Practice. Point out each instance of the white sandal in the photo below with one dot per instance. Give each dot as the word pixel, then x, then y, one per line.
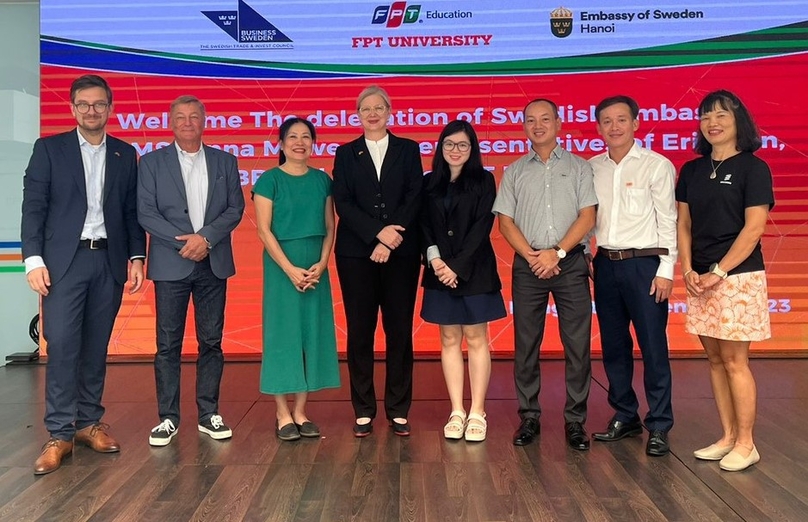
pixel 454 428
pixel 475 431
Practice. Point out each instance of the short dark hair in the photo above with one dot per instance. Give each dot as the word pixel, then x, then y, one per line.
pixel 614 100
pixel 87 81
pixel 283 131
pixel 545 100
pixel 747 134
pixel 470 173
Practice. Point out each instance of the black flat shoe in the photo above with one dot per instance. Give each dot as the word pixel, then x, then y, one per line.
pixel 287 432
pixel 528 431
pixel 658 445
pixel 617 430
pixel 576 436
pixel 402 429
pixel 362 430
pixel 308 429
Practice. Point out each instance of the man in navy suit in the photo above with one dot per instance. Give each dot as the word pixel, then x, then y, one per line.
pixel 189 201
pixel 79 234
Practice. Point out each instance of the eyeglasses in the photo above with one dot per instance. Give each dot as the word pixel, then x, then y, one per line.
pixel 378 109
pixel 84 107
pixel 462 146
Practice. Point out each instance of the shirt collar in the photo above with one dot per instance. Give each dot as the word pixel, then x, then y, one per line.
pixel 380 143
pixel 83 140
pixel 558 151
pixel 634 152
pixel 183 153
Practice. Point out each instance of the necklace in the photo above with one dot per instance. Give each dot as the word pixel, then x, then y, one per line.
pixel 715 167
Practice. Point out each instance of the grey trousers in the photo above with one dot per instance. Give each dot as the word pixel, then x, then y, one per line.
pixel 572 298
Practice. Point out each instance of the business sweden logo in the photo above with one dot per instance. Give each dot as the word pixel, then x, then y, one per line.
pixel 246 26
pixel 561 22
pixel 395 14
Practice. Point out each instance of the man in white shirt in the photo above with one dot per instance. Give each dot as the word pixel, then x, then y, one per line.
pixel 189 201
pixel 81 242
pixel 633 270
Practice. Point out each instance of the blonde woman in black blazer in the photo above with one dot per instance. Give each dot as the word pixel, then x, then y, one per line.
pixel 461 284
pixel 377 192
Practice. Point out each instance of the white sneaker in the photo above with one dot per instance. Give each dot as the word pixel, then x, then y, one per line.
pixel 162 434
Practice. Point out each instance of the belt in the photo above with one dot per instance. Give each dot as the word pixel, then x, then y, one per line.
pixel 630 253
pixel 94 244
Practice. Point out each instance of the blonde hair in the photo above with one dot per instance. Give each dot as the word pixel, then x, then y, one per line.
pixel 370 91
pixel 185 99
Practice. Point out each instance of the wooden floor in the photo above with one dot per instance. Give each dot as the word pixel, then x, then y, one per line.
pixel 255 477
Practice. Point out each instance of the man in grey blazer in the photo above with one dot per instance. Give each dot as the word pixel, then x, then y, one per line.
pixel 189 201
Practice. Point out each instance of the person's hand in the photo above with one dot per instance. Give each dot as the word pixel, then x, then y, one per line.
pixel 135 275
pixel 390 236
pixel 708 280
pixel 691 279
pixel 661 289
pixel 297 276
pixel 195 248
pixel 546 264
pixel 380 254
pixel 39 280
pixel 312 277
pixel 447 276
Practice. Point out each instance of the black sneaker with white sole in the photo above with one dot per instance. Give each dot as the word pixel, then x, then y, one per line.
pixel 162 434
pixel 216 428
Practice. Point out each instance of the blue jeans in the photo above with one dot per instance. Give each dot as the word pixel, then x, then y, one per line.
pixel 171 299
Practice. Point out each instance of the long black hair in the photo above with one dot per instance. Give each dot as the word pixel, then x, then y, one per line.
pixel 472 172
pixel 284 131
pixel 747 135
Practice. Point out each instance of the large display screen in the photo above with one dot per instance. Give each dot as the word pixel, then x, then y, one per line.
pixel 256 62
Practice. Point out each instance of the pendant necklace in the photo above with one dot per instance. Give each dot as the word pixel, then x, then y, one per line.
pixel 715 167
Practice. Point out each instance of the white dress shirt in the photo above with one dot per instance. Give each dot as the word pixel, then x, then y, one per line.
pixel 377 151
pixel 195 176
pixel 636 204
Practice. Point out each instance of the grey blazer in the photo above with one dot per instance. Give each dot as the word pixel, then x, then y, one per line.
pixel 162 210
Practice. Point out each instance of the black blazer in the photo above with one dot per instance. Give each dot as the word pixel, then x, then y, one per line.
pixel 463 236
pixel 365 204
pixel 54 204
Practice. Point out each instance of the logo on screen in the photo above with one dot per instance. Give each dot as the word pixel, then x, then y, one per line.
pixel 246 26
pixel 561 22
pixel 395 14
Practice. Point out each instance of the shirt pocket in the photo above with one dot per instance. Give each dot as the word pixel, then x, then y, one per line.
pixel 637 201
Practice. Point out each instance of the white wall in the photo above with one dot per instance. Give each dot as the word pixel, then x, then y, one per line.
pixel 19 127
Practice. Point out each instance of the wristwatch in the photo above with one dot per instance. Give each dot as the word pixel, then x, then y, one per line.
pixel 715 269
pixel 560 252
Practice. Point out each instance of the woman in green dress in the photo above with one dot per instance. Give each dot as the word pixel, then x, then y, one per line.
pixel 295 219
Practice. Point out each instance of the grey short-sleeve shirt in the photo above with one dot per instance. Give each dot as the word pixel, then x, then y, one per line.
pixel 544 198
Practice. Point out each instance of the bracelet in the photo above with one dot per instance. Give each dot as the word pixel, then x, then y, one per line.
pixel 685 274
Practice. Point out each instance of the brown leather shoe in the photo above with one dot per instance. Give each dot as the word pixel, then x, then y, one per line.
pixel 97 438
pixel 52 454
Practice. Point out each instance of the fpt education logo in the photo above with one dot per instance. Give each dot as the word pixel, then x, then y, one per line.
pixel 247 27
pixel 396 14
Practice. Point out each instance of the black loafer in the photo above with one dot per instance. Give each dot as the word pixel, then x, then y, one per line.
pixel 528 431
pixel 308 429
pixel 402 429
pixel 617 430
pixel 658 445
pixel 576 436
pixel 362 430
pixel 287 432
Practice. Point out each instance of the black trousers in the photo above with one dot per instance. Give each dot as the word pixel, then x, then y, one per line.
pixel 573 301
pixel 368 287
pixel 78 315
pixel 621 298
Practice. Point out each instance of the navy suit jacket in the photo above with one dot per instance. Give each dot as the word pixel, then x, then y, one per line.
pixel 366 204
pixel 162 208
pixel 54 204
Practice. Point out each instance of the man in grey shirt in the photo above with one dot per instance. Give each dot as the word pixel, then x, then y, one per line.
pixel 546 206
